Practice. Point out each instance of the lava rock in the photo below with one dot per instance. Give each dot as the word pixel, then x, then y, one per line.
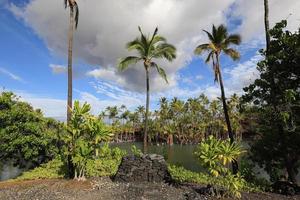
pixel 147 168
pixel 285 188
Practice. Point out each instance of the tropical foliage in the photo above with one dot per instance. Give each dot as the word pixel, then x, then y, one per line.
pixel 276 100
pixel 215 155
pixel 27 138
pixel 188 122
pixel 84 134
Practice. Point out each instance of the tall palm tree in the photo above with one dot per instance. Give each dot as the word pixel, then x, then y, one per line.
pixel 149 48
pixel 220 42
pixel 74 16
pixel 267 26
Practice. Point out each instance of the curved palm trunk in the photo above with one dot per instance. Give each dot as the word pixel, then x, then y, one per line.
pixel 267 28
pixel 70 81
pixel 147 108
pixel 69 101
pixel 227 119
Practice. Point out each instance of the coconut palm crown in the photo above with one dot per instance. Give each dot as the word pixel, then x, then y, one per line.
pixel 219 41
pixel 147 49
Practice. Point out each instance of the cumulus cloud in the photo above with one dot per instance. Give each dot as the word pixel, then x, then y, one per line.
pixel 252 14
pixel 243 74
pixel 106 26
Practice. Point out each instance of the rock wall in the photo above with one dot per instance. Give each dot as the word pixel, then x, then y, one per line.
pixel 147 168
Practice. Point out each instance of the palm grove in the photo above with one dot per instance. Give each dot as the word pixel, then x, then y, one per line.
pixel 268 111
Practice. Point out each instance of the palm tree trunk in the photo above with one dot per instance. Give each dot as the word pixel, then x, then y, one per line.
pixel 267 28
pixel 223 97
pixel 70 81
pixel 71 167
pixel 147 108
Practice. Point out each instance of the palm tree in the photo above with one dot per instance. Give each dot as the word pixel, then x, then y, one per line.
pixel 219 42
pixel 149 48
pixel 267 26
pixel 74 16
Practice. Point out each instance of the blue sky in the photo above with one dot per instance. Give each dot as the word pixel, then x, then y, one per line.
pixel 33 49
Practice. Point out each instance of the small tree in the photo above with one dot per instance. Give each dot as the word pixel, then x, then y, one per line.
pixel 27 139
pixel 275 95
pixel 215 155
pixel 85 132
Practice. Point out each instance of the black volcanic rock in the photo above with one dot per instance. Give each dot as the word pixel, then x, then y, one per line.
pixel 146 168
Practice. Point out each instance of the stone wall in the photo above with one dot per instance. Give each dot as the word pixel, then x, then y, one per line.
pixel 147 168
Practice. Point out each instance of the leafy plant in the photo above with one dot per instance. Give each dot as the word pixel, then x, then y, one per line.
pixel 275 95
pixel 51 170
pixel 215 155
pixel 27 138
pixel 106 164
pixel 136 151
pixel 85 133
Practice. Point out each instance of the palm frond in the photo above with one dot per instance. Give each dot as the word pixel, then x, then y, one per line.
pixel 233 39
pixel 136 45
pixel 125 62
pixel 164 50
pixel 235 55
pixel 66 3
pixel 161 71
pixel 209 56
pixel 76 14
pixel 210 36
pixel 153 36
pixel 202 47
pixel 144 40
pixel 158 38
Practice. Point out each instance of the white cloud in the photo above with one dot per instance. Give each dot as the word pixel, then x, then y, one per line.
pixel 106 26
pixel 252 15
pixel 243 74
pixel 58 69
pixel 11 75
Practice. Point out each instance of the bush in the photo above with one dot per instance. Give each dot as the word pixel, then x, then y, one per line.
pixel 27 137
pixel 216 155
pixel 232 184
pixel 51 170
pixel 254 183
pixel 183 175
pixel 106 164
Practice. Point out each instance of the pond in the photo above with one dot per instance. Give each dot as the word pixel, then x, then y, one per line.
pixel 180 155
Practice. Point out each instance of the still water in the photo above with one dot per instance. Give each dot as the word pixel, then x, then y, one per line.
pixel 180 155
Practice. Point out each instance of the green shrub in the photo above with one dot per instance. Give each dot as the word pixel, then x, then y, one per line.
pixel 106 164
pixel 26 136
pixel 136 151
pixel 253 182
pixel 232 184
pixel 83 138
pixel 183 175
pixel 216 155
pixel 51 170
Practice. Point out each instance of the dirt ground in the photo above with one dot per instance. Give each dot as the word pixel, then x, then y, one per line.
pixel 104 188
